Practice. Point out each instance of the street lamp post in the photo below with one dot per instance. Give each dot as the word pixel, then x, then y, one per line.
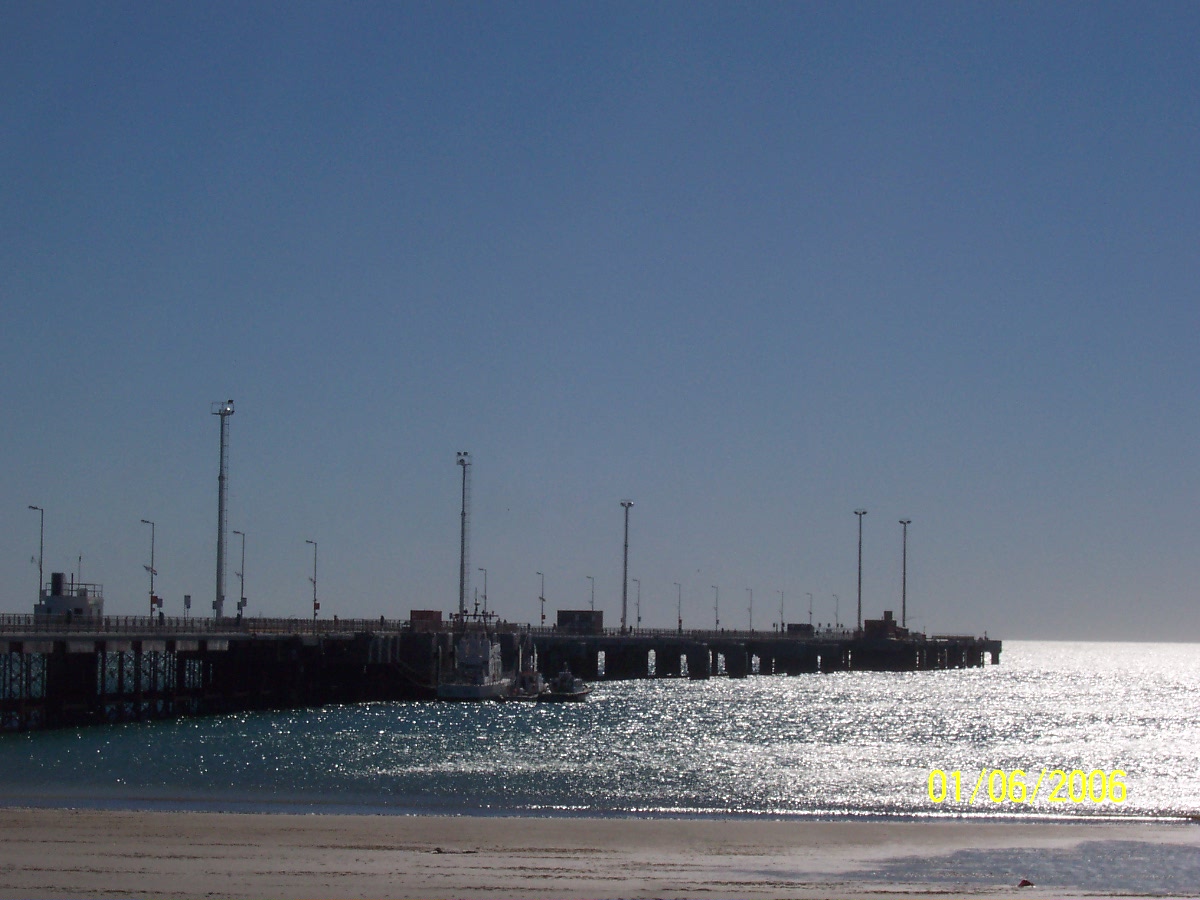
pixel 638 582
pixel 625 570
pixel 860 513
pixel 781 612
pixel 904 575
pixel 41 545
pixel 150 568
pixel 837 616
pixel 750 591
pixel 542 597
pixel 316 605
pixel 716 607
pixel 679 604
pixel 593 581
pixel 810 601
pixel 242 575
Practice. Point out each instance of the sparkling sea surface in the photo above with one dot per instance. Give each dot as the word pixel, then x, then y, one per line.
pixel 852 744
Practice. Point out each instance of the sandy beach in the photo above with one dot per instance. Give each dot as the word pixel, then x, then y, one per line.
pixel 87 853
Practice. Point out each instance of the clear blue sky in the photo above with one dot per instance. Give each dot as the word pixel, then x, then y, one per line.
pixel 749 265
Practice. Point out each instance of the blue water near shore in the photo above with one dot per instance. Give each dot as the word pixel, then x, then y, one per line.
pixel 828 746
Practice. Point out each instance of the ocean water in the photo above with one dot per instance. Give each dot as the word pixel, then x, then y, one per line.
pixel 840 745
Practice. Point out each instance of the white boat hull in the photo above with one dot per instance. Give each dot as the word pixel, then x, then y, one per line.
pixel 490 690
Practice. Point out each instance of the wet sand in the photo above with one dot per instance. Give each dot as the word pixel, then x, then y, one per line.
pixel 87 853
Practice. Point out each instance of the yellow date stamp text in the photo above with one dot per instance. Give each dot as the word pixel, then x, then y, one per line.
pixel 1018 786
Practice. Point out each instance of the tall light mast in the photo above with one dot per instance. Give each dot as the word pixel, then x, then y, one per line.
pixel 464 460
pixel 625 570
pixel 224 410
pixel 860 513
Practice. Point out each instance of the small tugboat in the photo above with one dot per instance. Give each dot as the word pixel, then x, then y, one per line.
pixel 566 688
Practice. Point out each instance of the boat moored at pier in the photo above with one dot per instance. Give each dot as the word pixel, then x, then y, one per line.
pixel 565 688
pixel 478 673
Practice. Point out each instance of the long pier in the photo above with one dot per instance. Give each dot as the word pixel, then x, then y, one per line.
pixel 58 672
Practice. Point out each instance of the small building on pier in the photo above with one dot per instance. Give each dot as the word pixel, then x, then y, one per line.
pixel 887 627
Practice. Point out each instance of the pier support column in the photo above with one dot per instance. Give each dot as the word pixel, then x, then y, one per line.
pixel 798 660
pixel 667 661
pixel 699 662
pixel 737 661
pixel 626 662
pixel 834 658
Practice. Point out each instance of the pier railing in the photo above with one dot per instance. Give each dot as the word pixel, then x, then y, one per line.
pixel 16 624
pixel 700 634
